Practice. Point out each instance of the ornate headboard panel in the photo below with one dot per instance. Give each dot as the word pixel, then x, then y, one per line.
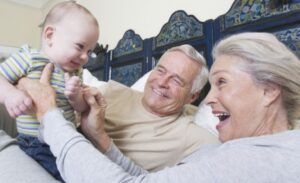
pixel 128 61
pixel 280 17
pixel 183 29
pixel 134 56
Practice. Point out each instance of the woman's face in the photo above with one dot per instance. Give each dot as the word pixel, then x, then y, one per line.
pixel 235 99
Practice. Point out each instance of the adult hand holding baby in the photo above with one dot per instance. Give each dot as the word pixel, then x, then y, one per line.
pixel 40 91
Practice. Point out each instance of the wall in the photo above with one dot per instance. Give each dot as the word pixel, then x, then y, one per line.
pixel 19 25
pixel 48 6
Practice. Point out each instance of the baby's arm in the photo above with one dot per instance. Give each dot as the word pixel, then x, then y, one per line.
pixel 15 101
pixel 73 91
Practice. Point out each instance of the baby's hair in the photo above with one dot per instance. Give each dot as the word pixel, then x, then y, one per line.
pixel 60 10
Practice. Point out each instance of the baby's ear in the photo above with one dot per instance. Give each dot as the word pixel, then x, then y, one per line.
pixel 48 34
pixel 271 93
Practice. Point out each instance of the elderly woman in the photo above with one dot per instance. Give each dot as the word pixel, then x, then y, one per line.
pixel 255 92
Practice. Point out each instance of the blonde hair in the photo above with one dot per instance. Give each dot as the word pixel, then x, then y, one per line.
pixel 202 76
pixel 267 60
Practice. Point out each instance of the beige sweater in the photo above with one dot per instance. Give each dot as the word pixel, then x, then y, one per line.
pixel 151 141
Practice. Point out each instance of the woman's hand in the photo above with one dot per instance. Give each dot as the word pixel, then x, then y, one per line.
pixel 17 102
pixel 41 92
pixel 92 121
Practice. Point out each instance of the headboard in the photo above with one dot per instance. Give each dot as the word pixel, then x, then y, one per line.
pixel 134 56
pixel 128 61
pixel 280 17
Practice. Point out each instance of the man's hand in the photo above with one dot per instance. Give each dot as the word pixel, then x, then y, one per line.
pixel 41 92
pixel 92 123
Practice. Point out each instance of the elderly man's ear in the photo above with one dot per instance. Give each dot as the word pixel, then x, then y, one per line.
pixel 272 93
pixel 194 97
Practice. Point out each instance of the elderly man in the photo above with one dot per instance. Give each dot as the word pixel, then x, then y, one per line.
pixel 155 128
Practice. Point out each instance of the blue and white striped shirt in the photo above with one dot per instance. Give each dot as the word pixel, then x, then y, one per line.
pixel 30 63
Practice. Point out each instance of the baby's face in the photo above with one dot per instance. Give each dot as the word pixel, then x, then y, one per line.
pixel 72 41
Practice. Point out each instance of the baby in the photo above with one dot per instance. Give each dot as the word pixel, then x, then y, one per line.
pixel 69 34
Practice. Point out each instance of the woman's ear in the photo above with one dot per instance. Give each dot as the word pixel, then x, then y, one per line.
pixel 271 93
pixel 48 34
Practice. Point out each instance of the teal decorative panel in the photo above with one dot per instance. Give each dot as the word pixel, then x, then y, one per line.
pixel 245 11
pixel 180 27
pixel 127 74
pixel 291 38
pixel 130 43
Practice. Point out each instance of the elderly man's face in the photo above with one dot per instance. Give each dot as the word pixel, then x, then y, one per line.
pixel 236 100
pixel 169 85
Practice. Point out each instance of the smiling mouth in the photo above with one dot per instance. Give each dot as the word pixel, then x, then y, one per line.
pixel 222 116
pixel 222 119
pixel 159 93
pixel 75 63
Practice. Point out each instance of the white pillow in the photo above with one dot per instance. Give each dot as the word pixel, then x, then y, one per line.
pixel 139 85
pixel 89 79
pixel 203 117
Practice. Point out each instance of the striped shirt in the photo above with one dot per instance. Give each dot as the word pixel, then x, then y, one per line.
pixel 30 63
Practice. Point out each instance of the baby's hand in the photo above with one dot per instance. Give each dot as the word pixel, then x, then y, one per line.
pixel 72 86
pixel 17 103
